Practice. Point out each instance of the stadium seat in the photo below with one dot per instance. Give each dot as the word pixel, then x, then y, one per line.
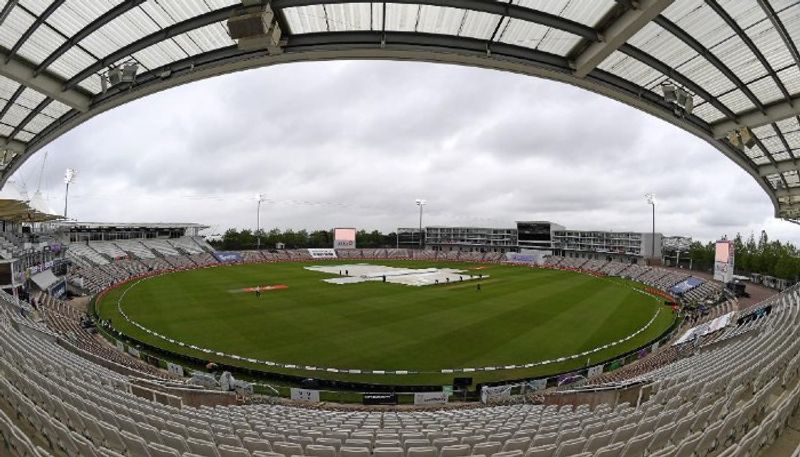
pixel 545 450
pixel 202 447
pixel 353 451
pixel 455 450
pixel 319 450
pixel 570 447
pixel 520 444
pixel 388 452
pixel 286 448
pixel 232 451
pixel 487 448
pixel 159 450
pixel 422 451
pixel 256 444
pixel 135 446
pixel 612 450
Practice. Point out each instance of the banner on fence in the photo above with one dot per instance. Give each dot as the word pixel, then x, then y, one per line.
pixel 430 398
pixel 322 253
pixel 305 394
pixel 495 393
pixel 133 351
pixel 120 346
pixel 379 399
pixel 594 371
pixel 536 384
pixel 226 256
pixel 175 369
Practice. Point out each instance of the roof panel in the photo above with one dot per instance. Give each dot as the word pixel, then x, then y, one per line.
pixel 788 125
pixel 440 20
pixel 6 130
pixel 735 54
pixel 120 32
pixel 41 44
pixel 630 69
pixel 522 33
pixel 790 17
pixel 587 13
pixel 56 109
pixel 744 13
pixel 160 54
pixel 15 114
pixel 699 21
pixel 7 87
pixel 736 101
pixel 479 25
pixel 177 10
pixel 558 42
pixel 71 62
pixel 23 136
pixel 36 6
pixel 707 76
pixel 790 77
pixel 14 26
pixel 350 16
pixel 38 123
pixel 662 45
pixel 29 98
pixel 767 39
pixel 707 112
pixel 402 17
pixel 211 37
pixel 766 90
pixel 306 19
pixel 77 14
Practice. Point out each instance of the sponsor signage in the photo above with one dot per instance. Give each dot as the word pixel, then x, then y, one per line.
pixel 594 371
pixel 133 351
pixel 379 399
pixel 59 289
pixel 447 390
pixel 305 394
pixel 430 398
pixel 322 253
pixel 120 346
pixel 227 257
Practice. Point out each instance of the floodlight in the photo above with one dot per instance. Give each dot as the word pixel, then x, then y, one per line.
pixel 421 202
pixel 129 72
pixel 689 105
pixel 115 76
pixel 748 139
pixel 651 198
pixel 670 92
pixel 734 139
pixel 682 96
pixel 259 197
pixel 69 175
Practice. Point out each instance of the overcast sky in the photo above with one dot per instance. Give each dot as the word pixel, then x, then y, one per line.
pixel 355 143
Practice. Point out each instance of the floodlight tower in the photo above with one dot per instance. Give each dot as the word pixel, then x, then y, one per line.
pixel 420 203
pixel 69 176
pixel 651 200
pixel 259 199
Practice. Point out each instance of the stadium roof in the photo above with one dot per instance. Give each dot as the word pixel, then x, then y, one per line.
pixel 65 61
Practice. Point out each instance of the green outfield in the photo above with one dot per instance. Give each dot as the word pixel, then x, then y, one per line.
pixel 520 315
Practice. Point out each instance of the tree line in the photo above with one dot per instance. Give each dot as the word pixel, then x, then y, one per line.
pixel 772 258
pixel 234 240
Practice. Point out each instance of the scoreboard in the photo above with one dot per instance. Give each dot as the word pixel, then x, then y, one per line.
pixel 344 238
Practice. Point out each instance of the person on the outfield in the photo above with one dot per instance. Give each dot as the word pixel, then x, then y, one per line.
pixel 258 292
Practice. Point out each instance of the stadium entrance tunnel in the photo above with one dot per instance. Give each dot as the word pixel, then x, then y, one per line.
pixel 622 50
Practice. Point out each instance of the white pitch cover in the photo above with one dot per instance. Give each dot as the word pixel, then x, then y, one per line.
pixel 305 395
